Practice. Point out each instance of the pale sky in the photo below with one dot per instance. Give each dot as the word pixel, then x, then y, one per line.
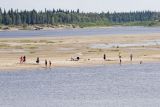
pixel 84 5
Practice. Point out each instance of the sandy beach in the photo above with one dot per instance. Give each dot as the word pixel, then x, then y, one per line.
pixel 60 50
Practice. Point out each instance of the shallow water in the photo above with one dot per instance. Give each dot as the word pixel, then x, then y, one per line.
pixel 101 86
pixel 81 32
pixel 123 45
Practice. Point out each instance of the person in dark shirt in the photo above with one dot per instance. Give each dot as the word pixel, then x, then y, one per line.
pixel 37 61
pixel 46 63
pixel 50 64
pixel 131 57
pixel 24 58
pixel 104 56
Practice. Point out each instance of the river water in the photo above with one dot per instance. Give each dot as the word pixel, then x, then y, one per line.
pixel 130 85
pixel 99 86
pixel 80 32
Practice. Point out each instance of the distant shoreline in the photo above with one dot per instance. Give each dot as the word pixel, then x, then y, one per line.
pixel 51 27
pixel 32 28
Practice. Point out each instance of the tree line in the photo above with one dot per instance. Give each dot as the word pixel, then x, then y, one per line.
pixel 59 16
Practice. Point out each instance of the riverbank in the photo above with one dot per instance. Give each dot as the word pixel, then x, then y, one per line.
pixel 100 24
pixel 62 26
pixel 90 50
pixel 35 27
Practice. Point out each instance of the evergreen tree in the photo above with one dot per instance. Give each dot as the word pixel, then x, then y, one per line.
pixel 60 16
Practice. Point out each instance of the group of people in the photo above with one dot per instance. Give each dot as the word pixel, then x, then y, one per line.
pixel 22 59
pixel 75 59
pixel 47 63
pixel 120 58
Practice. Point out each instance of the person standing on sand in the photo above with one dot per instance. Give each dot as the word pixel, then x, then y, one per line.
pixel 104 56
pixel 46 63
pixel 120 59
pixel 24 59
pixel 37 61
pixel 131 57
pixel 50 64
pixel 21 59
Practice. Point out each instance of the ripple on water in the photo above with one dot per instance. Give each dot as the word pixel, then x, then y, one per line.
pixel 111 85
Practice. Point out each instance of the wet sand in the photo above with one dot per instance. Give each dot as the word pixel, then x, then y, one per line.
pixel 60 50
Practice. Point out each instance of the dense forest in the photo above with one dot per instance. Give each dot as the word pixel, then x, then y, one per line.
pixel 59 16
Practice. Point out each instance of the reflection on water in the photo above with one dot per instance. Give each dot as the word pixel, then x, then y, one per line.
pixel 101 86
